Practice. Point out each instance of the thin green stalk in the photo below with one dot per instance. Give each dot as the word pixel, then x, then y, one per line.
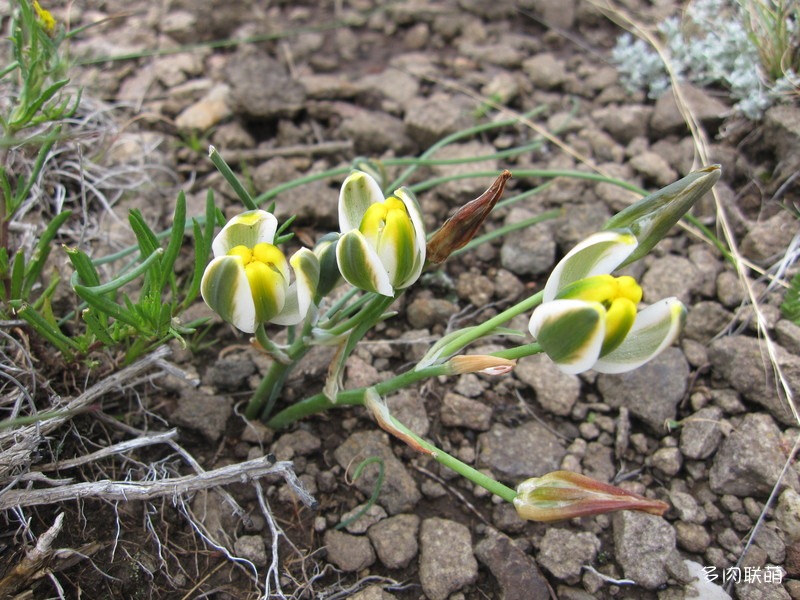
pixel 486 328
pixel 519 351
pixel 320 403
pixel 463 469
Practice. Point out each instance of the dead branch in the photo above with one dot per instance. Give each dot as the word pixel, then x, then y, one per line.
pixel 146 490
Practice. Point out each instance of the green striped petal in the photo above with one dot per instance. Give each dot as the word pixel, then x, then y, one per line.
pixel 225 289
pixel 268 290
pixel 415 212
pixel 598 254
pixel 396 247
pixel 360 265
pixel 570 332
pixel 300 293
pixel 656 328
pixel 359 191
pixel 247 229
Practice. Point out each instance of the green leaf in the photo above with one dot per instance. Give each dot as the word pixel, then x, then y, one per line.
pixel 175 241
pixel 17 276
pixel 42 251
pixel 98 326
pixel 47 330
pixel 112 309
pixel 790 307
pixel 84 268
pixel 231 178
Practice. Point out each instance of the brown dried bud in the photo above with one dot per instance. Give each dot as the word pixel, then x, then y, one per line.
pixel 459 229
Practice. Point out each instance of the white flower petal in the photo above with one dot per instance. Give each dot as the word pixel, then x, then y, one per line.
pixel 359 191
pixel 570 332
pixel 247 229
pixel 301 292
pixel 656 328
pixel 226 290
pixel 598 254
pixel 415 212
pixel 360 265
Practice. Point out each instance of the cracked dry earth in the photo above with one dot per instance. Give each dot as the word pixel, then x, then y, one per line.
pixel 703 427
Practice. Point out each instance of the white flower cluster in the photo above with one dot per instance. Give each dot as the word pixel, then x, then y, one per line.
pixel 709 46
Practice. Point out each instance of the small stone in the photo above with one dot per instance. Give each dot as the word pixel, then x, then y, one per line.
pixel 643 544
pixel 529 450
pixel 564 553
pixel 260 88
pixel 667 117
pixel 251 547
pixel 769 239
pixel 430 119
pixel 516 572
pixel 457 411
pixel 361 374
pixel 671 276
pixel 360 525
pixel 556 392
pixel 530 251
pixel 729 289
pixel 787 514
pixel 654 167
pixel 399 492
pixel 373 592
pixel 749 461
pixel 207 112
pixel 740 360
pixel 687 507
pixel 228 374
pixel 425 311
pixel 701 433
pixel 203 412
pixel 395 540
pixel 545 71
pixel 295 443
pixel 705 320
pixel 667 460
pixel 623 124
pixel 692 537
pixel 350 553
pixel 651 392
pixel 478 289
pixel 446 562
pixel 787 334
pixel 374 132
pixel 408 407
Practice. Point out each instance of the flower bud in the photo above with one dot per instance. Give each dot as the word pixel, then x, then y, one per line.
pixel 382 246
pixel 459 229
pixel 565 495
pixel 650 218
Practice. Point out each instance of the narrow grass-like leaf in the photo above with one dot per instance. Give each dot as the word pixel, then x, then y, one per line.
pixel 175 241
pixel 112 309
pixel 17 276
pixel 126 278
pixel 98 326
pixel 42 251
pixel 47 330
pixel 24 190
pixel 231 178
pixel 37 104
pixel 84 267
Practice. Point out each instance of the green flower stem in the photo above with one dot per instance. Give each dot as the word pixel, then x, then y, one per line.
pixel 320 403
pixel 519 351
pixel 270 347
pixel 463 469
pixel 484 329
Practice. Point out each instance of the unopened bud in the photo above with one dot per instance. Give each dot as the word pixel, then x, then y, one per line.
pixel 459 229
pixel 481 363
pixel 565 495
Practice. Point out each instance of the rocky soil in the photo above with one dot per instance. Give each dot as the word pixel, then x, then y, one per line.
pixel 703 426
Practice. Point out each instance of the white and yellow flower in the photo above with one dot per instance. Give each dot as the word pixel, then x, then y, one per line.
pixel 382 246
pixel 588 318
pixel 249 282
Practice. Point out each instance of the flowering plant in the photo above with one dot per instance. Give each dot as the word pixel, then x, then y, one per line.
pixel 584 318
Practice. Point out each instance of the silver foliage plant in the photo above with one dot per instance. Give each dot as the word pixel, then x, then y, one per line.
pixel 711 45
